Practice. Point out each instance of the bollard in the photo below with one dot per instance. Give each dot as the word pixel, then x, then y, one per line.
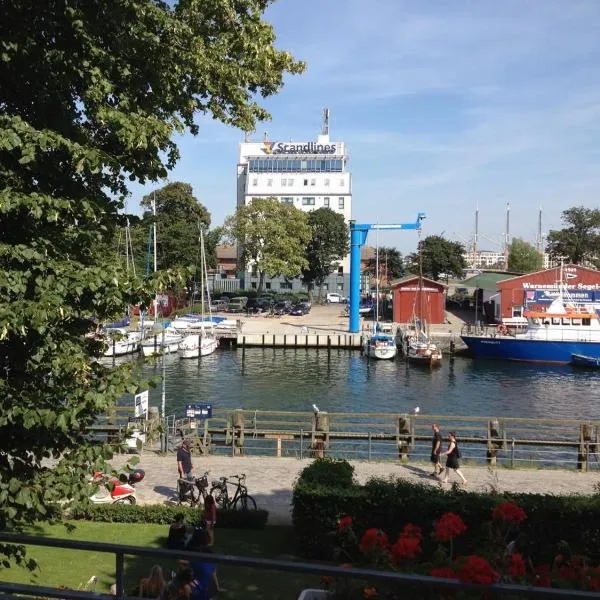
pixel 583 456
pixel 403 428
pixel 493 433
pixel 237 432
pixel 320 434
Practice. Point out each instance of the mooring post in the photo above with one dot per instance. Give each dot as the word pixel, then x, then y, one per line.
pixel 403 428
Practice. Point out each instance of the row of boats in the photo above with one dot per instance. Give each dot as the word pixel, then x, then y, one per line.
pixel 191 336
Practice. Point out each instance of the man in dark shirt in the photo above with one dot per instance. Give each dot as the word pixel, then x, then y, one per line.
pixel 184 460
pixel 436 446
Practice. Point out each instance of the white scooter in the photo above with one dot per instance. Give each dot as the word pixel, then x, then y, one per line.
pixel 114 491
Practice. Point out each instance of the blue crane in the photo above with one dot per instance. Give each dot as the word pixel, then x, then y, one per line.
pixel 358 237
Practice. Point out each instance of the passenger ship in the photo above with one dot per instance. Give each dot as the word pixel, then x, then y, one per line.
pixel 551 336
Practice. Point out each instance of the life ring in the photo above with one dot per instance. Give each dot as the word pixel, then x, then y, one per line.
pixel 502 330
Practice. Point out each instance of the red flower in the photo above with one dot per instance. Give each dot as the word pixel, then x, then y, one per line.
pixel 406 547
pixel 344 522
pixel 593 579
pixel 411 531
pixel 477 570
pixel 443 572
pixel 370 592
pixel 373 539
pixel 569 573
pixel 558 559
pixel 509 512
pixel 542 576
pixel 448 526
pixel 326 580
pixel 517 566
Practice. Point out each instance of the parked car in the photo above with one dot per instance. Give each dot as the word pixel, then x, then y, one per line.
pixel 219 304
pixel 282 308
pixel 302 308
pixel 237 304
pixel 333 297
pixel 258 305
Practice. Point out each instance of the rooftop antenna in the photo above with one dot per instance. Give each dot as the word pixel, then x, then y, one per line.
pixel 475 237
pixel 507 235
pixel 540 235
pixel 266 138
pixel 325 127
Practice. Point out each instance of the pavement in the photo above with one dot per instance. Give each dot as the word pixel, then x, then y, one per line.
pixel 270 480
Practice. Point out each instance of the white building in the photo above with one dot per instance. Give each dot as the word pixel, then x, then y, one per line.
pixel 309 175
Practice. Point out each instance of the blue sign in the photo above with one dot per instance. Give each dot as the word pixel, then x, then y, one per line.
pixel 548 296
pixel 198 411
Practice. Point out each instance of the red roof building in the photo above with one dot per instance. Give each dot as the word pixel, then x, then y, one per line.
pixel 427 302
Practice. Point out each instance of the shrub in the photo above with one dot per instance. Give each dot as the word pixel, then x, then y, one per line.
pixel 165 515
pixel 329 472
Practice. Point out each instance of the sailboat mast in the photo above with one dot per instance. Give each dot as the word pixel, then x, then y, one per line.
pixel 377 278
pixel 154 248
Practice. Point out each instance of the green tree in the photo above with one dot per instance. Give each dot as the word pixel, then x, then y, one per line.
pixel 579 241
pixel 97 92
pixel 391 264
pixel 329 243
pixel 523 257
pixel 439 256
pixel 272 236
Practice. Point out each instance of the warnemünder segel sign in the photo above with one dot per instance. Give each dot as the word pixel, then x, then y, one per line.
pixel 306 148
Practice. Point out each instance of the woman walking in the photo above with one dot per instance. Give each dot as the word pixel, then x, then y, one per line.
pixel 452 456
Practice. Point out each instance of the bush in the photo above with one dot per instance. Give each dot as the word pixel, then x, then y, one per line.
pixel 165 515
pixel 328 472
pixel 390 504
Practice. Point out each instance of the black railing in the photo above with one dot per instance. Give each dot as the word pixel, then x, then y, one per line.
pixel 417 582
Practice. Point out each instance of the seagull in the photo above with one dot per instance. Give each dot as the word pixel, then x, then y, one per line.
pixel 316 408
pixel 417 410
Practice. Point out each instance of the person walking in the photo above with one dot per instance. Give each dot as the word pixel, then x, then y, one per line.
pixel 184 460
pixel 452 456
pixel 436 448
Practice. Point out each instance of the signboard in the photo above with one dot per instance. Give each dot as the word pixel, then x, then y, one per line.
pixel 301 148
pixel 141 404
pixel 547 296
pixel 198 411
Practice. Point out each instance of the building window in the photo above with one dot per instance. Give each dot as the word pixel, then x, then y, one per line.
pixel 340 287
pixel 254 271
pixel 268 285
pixel 253 285
pixel 287 200
pixel 269 182
pixel 290 182
pixel 340 270
pixel 306 182
pixel 313 182
pixel 325 286
pixel 285 285
pixel 326 182
pixel 326 202
pixel 341 203
pixel 255 182
pixel 308 201
pixel 283 182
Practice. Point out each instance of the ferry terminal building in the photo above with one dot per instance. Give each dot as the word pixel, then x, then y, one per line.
pixel 308 175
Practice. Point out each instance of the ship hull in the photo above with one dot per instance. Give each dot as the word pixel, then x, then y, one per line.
pixel 529 350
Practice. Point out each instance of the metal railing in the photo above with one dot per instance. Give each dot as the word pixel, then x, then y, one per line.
pixel 420 583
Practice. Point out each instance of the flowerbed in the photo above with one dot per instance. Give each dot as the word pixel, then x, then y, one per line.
pixel 506 556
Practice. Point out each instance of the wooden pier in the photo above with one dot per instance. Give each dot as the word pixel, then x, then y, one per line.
pixel 345 341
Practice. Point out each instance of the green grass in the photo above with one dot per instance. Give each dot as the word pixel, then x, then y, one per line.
pixel 73 568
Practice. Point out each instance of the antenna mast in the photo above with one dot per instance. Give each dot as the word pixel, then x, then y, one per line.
pixel 540 238
pixel 475 238
pixel 507 235
pixel 325 126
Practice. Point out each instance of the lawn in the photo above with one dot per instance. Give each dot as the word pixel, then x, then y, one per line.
pixel 73 568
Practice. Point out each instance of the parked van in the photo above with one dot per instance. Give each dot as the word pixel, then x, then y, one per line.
pixel 237 304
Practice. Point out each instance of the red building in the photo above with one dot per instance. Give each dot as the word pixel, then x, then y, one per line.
pixel 428 302
pixel 535 291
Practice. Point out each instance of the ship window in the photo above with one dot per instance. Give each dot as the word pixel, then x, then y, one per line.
pixel 555 321
pixel 586 322
pixel 576 322
pixel 566 321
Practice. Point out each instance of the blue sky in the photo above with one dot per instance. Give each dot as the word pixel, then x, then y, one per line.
pixel 443 105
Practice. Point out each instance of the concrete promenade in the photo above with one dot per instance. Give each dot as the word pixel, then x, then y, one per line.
pixel 270 479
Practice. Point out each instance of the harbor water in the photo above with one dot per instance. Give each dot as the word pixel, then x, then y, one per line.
pixel 344 381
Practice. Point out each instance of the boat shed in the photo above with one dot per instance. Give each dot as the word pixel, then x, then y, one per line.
pixel 429 305
pixel 535 291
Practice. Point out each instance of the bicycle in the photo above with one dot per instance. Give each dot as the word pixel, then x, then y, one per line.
pixel 241 499
pixel 192 491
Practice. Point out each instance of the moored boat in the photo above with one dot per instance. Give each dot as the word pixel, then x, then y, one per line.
pixel 423 352
pixel 120 341
pixel 580 360
pixel 381 346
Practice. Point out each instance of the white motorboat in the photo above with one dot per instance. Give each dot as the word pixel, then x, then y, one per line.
pixel 120 341
pixel 195 345
pixel 162 343
pixel 380 345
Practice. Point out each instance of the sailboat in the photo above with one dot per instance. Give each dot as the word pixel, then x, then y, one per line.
pixel 420 350
pixel 204 342
pixel 380 344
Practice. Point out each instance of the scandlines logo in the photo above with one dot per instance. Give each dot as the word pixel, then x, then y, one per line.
pixel 268 147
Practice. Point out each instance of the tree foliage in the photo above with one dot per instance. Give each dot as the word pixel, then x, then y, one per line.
pixel 272 237
pixel 523 257
pixel 439 256
pixel 329 243
pixel 579 241
pixel 93 94
pixel 391 265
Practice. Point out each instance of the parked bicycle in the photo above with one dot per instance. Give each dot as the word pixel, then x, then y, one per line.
pixel 241 500
pixel 192 491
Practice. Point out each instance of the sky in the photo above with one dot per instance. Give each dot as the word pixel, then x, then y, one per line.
pixel 444 106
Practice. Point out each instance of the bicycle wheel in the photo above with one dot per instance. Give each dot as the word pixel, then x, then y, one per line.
pixel 245 502
pixel 221 498
pixel 194 495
